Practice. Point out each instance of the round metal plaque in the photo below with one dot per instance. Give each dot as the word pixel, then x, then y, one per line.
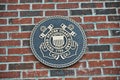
pixel 58 42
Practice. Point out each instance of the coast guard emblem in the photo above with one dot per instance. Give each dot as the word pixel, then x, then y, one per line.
pixel 58 42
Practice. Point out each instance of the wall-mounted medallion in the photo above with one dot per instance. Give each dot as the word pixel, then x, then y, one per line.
pixel 58 42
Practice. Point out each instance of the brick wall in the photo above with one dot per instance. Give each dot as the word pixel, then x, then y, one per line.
pixel 99 18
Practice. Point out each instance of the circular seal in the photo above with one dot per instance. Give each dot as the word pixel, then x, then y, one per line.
pixel 58 42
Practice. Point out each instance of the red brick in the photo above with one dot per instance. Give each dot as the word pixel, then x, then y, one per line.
pixel 116 47
pixel 10 58
pixel 108 25
pixel 77 19
pixel 43 6
pixel 97 33
pixel 94 18
pixel 53 13
pixel 37 20
pixel 104 78
pixel 87 26
pixel 10 43
pixel 51 79
pixel 19 7
pixel 79 65
pixel 21 21
pixel 19 51
pixel 111 55
pixel 28 74
pixel 2 66
pixel 3 35
pixel 79 78
pixel 109 71
pixel 92 41
pixel 2 51
pixel 8 14
pixel 8 1
pixel 100 63
pixel 55 1
pixel 41 66
pixel 67 5
pixel 91 56
pixel 29 58
pixel 8 28
pixel 117 62
pixel 109 40
pixel 10 74
pixel 20 35
pixel 88 72
pixel 78 0
pixel 3 21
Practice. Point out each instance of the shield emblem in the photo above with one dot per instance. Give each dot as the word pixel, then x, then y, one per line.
pixel 58 41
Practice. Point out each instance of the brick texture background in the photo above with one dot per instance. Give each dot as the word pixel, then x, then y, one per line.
pixel 99 18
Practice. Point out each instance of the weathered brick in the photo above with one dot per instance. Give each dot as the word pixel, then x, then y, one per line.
pixel 51 79
pixel 10 43
pixel 89 72
pixel 99 48
pixel 117 62
pixel 116 47
pixel 20 35
pixel 62 73
pixel 3 35
pixel 8 14
pixel 42 73
pixel 56 12
pixel 103 0
pixel 109 40
pixel 2 51
pixel 30 1
pixel 77 19
pixel 30 13
pixel 19 51
pixel 81 12
pixel 20 21
pixel 67 5
pixel 111 55
pixel 91 5
pixel 105 11
pixel 97 33
pixel 92 40
pixel 21 66
pixel 112 4
pixel 87 26
pixel 79 65
pixel 114 71
pixel 3 66
pixel 27 27
pixel 104 78
pixel 94 18
pixel 29 58
pixel 10 74
pixel 10 58
pixel 41 66
pixel 115 32
pixel 78 0
pixel 107 25
pixel 37 20
pixel 114 18
pixel 3 21
pixel 2 7
pixel 19 7
pixel 91 56
pixel 8 1
pixel 78 78
pixel 26 42
pixel 55 0
pixel 8 28
pixel 99 63
pixel 43 6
